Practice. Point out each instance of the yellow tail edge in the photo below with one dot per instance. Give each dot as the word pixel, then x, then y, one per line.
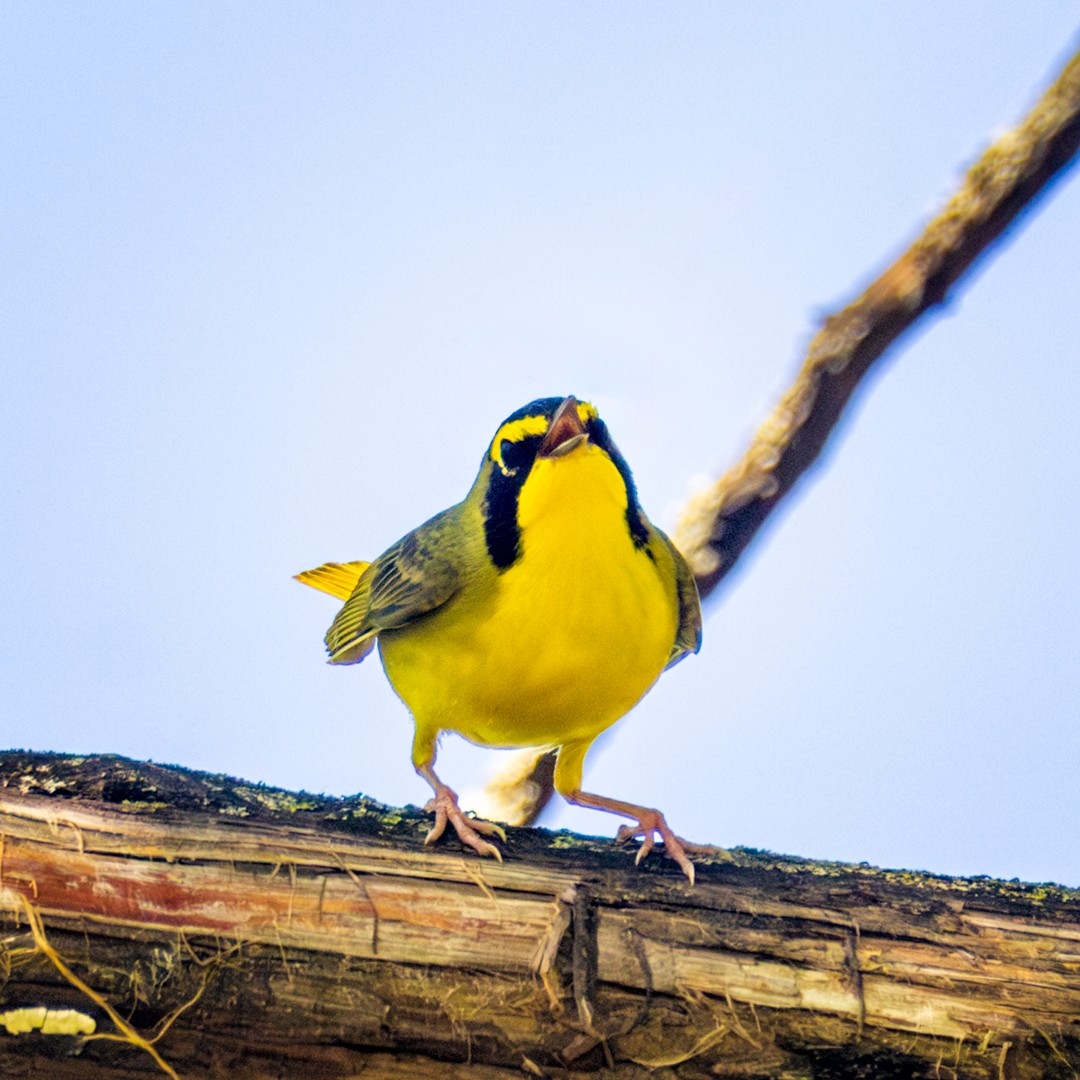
pixel 337 579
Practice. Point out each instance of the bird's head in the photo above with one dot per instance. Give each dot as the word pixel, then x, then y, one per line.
pixel 528 467
pixel 548 427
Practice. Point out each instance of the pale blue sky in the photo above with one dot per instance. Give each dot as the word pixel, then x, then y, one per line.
pixel 273 274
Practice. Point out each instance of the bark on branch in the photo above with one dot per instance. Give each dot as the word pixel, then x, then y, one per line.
pixel 1012 173
pixel 266 934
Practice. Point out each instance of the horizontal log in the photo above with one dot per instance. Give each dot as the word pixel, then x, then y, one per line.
pixel 325 932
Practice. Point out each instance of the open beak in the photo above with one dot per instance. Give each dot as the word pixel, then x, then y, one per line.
pixel 565 432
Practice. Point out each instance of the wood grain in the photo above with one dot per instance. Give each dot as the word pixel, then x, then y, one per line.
pixel 310 936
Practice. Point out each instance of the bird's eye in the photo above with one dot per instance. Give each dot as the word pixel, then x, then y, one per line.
pixel 500 456
pixel 515 454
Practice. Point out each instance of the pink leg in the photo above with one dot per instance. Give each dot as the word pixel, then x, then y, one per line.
pixel 648 822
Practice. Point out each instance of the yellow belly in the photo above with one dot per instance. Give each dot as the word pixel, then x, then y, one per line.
pixel 559 646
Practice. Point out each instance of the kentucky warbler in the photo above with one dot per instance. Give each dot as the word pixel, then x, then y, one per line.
pixel 536 612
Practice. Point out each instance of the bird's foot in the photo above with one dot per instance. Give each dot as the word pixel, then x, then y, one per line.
pixel 446 810
pixel 652 822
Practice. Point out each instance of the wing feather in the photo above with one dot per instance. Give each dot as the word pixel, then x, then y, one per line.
pixel 418 574
pixel 688 634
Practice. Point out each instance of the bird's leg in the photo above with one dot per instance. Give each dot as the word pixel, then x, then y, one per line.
pixel 648 822
pixel 445 805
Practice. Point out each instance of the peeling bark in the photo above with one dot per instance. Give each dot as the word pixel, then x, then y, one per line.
pixel 305 936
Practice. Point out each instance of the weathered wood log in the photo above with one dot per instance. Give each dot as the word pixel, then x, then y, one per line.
pixel 273 934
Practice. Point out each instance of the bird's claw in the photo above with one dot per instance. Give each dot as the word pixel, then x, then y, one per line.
pixel 648 825
pixel 446 810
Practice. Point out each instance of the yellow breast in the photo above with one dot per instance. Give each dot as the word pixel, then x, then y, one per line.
pixel 561 644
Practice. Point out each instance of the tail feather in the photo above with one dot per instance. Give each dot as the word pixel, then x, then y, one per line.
pixel 348 640
pixel 337 579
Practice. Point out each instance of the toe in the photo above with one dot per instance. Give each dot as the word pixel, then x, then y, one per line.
pixel 468 834
pixel 482 847
pixel 646 846
pixel 488 828
pixel 705 849
pixel 438 827
pixel 675 851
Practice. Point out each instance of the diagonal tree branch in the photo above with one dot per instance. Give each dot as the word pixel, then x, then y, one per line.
pixel 720 524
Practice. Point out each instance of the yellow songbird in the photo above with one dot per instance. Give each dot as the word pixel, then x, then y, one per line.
pixel 536 612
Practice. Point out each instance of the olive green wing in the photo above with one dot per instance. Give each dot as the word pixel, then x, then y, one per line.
pixel 423 570
pixel 688 634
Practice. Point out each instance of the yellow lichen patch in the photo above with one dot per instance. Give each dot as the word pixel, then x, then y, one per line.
pixel 274 799
pixel 47 1021
pixel 564 839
